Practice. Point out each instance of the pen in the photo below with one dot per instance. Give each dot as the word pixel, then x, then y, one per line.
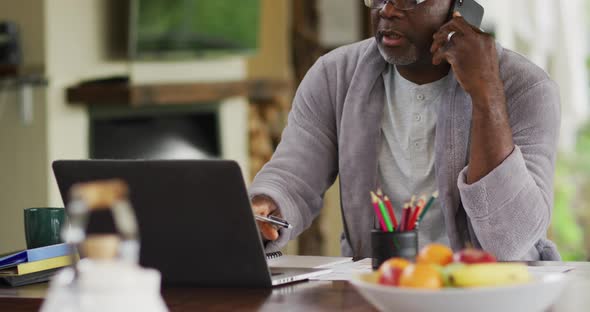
pixel 274 220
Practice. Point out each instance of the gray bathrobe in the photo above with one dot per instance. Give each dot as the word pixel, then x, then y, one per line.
pixel 334 129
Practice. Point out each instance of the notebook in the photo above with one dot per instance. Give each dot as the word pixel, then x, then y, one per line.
pixel 27 279
pixel 34 254
pixel 273 255
pixel 37 266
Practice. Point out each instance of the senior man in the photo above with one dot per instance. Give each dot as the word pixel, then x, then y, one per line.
pixel 427 104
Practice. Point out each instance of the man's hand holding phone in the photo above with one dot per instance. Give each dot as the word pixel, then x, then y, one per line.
pixel 474 61
pixel 472 55
pixel 264 206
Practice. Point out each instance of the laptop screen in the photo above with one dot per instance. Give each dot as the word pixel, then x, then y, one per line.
pixel 195 221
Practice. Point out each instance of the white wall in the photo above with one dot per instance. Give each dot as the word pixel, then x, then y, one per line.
pixel 76 50
pixel 23 148
pixel 23 175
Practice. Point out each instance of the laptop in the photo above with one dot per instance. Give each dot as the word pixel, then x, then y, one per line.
pixel 195 221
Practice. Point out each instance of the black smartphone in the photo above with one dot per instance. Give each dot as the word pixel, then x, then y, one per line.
pixel 471 11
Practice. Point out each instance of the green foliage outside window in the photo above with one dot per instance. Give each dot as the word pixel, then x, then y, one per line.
pixel 571 213
pixel 197 26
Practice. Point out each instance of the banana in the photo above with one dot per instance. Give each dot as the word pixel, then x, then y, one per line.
pixel 446 271
pixel 490 274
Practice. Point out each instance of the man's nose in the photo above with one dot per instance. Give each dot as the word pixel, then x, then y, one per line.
pixel 390 11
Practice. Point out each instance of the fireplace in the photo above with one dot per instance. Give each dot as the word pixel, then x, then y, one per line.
pixel 192 135
pixel 199 131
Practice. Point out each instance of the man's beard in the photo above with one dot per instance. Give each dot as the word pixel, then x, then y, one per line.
pixel 408 58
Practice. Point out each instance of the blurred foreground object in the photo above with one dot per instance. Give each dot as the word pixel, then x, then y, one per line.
pixel 109 278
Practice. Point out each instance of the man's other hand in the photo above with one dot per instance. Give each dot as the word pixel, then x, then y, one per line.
pixel 264 206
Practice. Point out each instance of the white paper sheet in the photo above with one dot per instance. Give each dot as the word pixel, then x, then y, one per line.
pixel 307 262
pixel 346 271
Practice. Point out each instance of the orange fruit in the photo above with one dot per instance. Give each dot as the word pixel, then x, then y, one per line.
pixel 435 254
pixel 421 275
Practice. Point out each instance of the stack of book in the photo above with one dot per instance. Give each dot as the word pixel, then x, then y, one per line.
pixel 33 265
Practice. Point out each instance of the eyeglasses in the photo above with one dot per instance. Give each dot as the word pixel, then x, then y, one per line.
pixel 404 5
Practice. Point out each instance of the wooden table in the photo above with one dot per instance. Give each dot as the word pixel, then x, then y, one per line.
pixel 304 296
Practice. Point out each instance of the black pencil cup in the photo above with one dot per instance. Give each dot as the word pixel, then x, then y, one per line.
pixel 387 245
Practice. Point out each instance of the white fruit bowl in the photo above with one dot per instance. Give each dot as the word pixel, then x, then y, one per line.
pixel 535 296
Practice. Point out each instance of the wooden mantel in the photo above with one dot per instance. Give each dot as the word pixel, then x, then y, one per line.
pixel 121 92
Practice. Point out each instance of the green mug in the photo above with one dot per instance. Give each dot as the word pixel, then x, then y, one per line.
pixel 43 226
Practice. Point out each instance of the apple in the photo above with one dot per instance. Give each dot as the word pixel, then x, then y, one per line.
pixel 472 255
pixel 391 270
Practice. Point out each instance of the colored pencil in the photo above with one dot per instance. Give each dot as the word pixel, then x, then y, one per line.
pixel 391 212
pixel 404 219
pixel 385 215
pixel 408 220
pixel 408 215
pixel 414 217
pixel 425 210
pixel 375 201
pixel 421 204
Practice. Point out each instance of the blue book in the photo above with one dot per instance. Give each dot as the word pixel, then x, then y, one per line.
pixel 35 254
